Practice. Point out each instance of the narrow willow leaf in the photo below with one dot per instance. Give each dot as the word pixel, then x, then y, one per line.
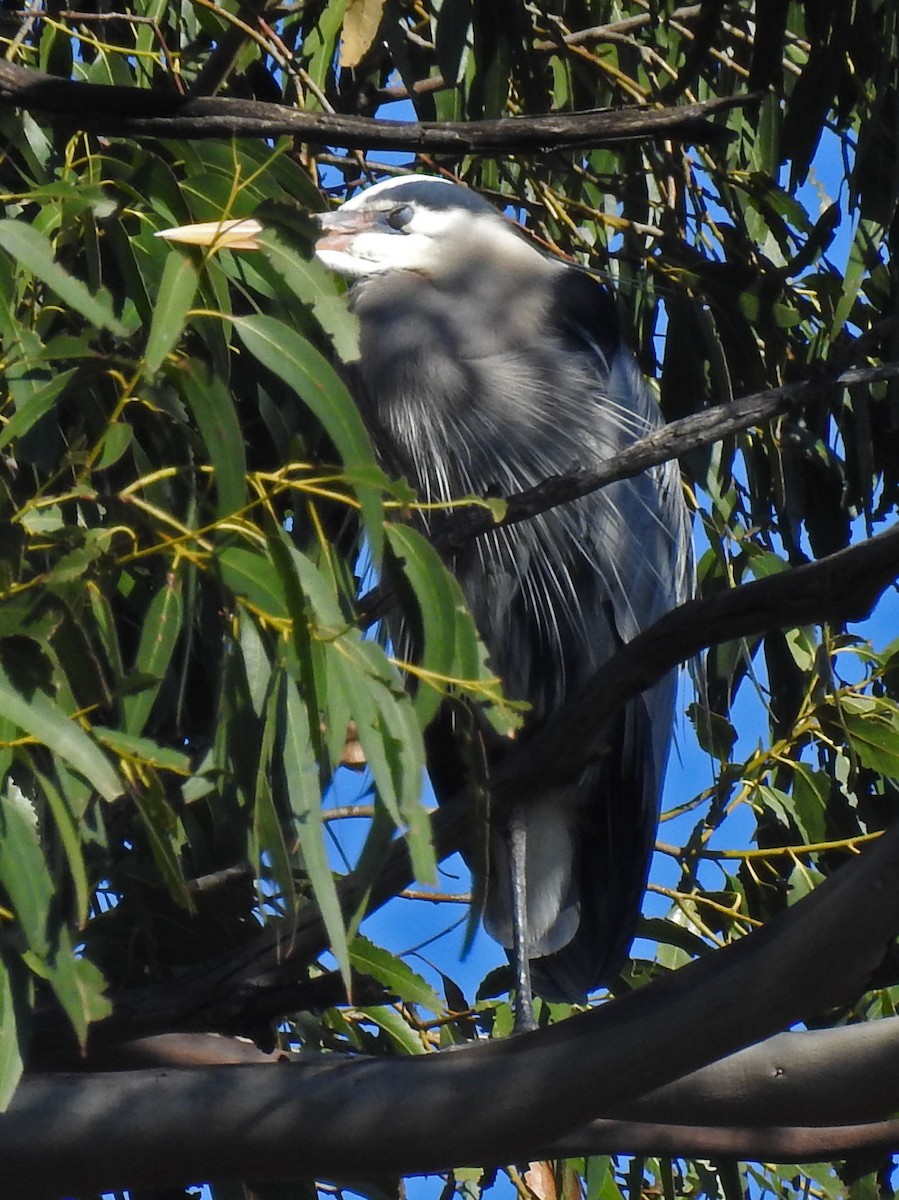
pixel 12 1039
pixel 104 626
pixel 173 302
pixel 39 402
pixel 23 872
pixel 256 662
pixel 777 801
pixel 165 837
pixel 865 245
pixel 301 775
pixel 314 683
pixel 37 715
pixel 77 983
pixel 322 44
pixel 67 829
pixel 212 408
pixel 436 601
pixel 874 740
pixel 283 351
pixel 116 441
pixel 367 700
pixel 396 975
pixel 160 631
pixel 811 793
pixel 408 750
pixel 314 285
pixel 403 1036
pixel 143 750
pixel 391 739
pixel 268 833
pixel 248 573
pixel 34 252
pixel 381 831
pixel 452 645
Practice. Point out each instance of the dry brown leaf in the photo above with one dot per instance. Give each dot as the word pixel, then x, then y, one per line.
pixel 541 1180
pixel 360 28
pixel 353 755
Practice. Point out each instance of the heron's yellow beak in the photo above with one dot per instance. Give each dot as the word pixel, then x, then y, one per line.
pixel 220 235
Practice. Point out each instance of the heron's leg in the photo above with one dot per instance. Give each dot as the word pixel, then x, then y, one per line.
pixel 524 1000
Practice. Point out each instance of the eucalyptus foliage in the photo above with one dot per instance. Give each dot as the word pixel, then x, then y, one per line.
pixel 186 487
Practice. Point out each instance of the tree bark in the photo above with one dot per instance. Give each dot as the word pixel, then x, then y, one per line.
pixel 140 112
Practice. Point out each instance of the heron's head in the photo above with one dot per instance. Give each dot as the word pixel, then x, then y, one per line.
pixel 415 223
pixel 420 223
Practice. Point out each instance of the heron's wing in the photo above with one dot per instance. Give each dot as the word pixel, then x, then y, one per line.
pixel 636 566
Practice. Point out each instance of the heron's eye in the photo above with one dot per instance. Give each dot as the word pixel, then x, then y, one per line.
pixel 398 218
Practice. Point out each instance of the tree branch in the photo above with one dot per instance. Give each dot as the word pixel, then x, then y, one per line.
pixel 137 112
pixel 777 1144
pixel 492 1103
pixel 673 440
pixel 841 587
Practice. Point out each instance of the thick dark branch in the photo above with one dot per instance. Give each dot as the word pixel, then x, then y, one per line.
pixel 492 1103
pixel 136 112
pixel 777 1143
pixel 843 1076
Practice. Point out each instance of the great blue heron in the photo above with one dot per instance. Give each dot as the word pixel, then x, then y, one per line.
pixel 487 367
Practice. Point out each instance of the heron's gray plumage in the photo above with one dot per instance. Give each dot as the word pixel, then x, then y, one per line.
pixel 489 367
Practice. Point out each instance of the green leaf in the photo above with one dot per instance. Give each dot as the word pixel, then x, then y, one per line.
pixel 256 661
pixel 391 740
pixel 314 285
pixel 775 800
pixel 11 1041
pixel 68 834
pixel 437 601
pixel 37 715
pixel 288 562
pixel 176 295
pixel 248 573
pixel 159 634
pixel 38 403
pixel 300 366
pixel 268 840
pixel 143 750
pixel 811 793
pixel 396 975
pixel 452 650
pixel 322 43
pixel 23 871
pixel 116 441
pixel 401 1034
pixel 165 836
pixel 77 983
pixel 34 251
pixel 874 737
pixel 303 789
pixel 212 408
